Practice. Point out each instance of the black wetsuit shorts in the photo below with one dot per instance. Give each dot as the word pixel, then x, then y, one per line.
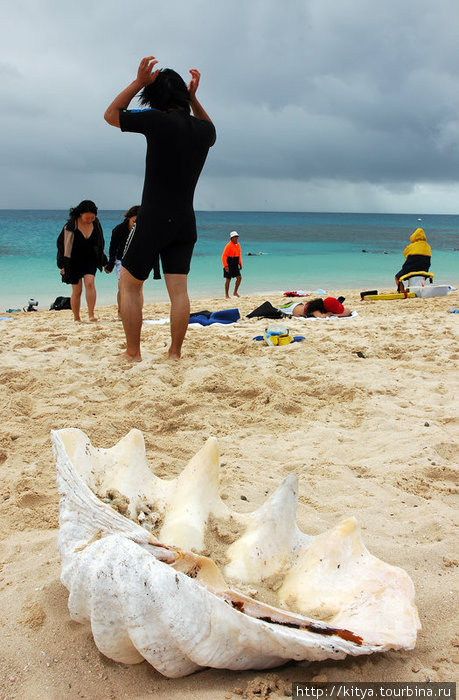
pixel 151 240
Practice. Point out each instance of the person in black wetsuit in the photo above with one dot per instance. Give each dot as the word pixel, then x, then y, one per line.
pixel 177 147
pixel 118 241
pixel 80 252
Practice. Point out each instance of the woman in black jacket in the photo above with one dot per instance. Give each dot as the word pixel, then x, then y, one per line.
pixel 120 235
pixel 80 252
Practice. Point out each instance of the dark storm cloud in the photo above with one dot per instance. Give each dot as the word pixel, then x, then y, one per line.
pixel 348 94
pixel 370 93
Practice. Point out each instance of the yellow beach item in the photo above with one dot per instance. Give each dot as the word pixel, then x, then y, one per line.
pixel 284 339
pixel 396 295
pixel 277 335
pixel 428 275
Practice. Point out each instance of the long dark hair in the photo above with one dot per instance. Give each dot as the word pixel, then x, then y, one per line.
pixel 86 206
pixel 167 91
pixel 314 305
pixel 83 207
pixel 132 211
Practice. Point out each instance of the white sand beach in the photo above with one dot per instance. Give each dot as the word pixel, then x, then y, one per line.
pixel 364 410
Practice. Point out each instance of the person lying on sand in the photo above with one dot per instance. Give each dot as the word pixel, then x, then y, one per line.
pixel 318 308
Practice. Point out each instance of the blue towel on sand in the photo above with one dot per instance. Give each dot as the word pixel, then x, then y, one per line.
pixel 224 316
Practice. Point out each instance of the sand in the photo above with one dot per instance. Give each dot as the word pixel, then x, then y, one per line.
pixel 364 411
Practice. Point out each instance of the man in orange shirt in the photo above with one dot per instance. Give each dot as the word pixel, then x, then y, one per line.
pixel 232 263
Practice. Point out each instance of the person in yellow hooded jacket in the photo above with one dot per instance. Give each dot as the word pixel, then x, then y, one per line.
pixel 417 257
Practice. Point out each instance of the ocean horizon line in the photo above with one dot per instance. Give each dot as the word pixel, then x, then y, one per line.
pixel 255 211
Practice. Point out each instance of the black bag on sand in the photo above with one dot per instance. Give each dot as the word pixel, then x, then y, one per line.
pixel 60 303
pixel 266 310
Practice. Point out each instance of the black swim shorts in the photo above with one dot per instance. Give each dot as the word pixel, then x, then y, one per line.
pixel 233 268
pixel 173 246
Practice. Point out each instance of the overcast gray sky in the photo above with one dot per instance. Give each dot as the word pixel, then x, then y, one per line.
pixel 319 105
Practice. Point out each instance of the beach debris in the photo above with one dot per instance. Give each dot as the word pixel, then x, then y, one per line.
pixel 32 305
pixel 171 579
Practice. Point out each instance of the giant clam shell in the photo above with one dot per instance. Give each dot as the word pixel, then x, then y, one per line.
pixel 132 559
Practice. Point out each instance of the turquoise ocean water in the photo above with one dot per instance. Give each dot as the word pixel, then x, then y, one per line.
pixel 299 251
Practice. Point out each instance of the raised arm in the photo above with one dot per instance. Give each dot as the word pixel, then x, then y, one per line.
pixel 197 109
pixel 145 76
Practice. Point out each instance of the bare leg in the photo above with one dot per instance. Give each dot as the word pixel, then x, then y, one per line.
pixel 400 286
pixel 90 291
pixel 131 299
pixel 75 300
pixel 236 286
pixel 118 301
pixel 227 284
pixel 180 311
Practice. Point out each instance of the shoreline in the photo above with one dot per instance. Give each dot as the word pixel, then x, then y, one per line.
pixel 364 410
pixel 155 291
pixel 197 299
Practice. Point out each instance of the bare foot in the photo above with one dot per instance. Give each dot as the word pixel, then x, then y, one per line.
pixel 235 294
pixel 227 296
pixel 173 355
pixel 77 320
pixel 93 319
pixel 129 358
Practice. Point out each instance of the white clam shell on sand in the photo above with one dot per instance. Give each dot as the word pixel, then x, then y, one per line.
pixel 133 552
